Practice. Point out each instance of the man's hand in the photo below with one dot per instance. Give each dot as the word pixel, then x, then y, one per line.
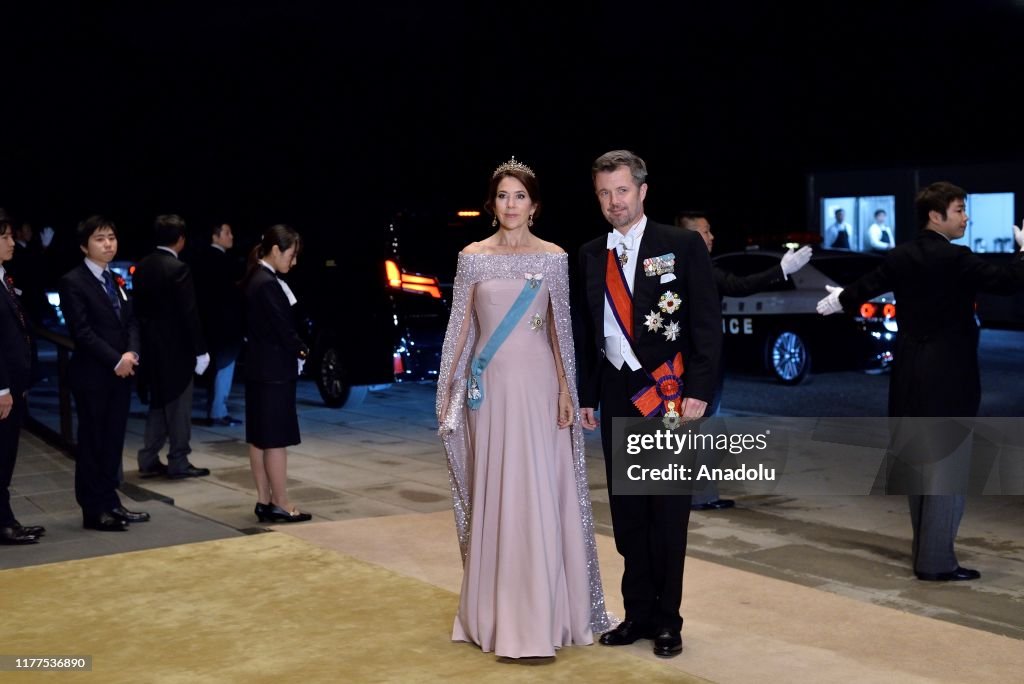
pixel 6 405
pixel 202 363
pixel 794 261
pixel 126 366
pixel 693 408
pixel 46 236
pixel 830 304
pixel 587 419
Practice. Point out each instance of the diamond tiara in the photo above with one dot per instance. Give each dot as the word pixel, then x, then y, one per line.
pixel 513 165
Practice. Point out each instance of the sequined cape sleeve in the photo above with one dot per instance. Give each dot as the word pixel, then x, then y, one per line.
pixel 473 268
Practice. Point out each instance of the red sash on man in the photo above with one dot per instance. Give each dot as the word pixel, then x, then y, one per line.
pixel 616 291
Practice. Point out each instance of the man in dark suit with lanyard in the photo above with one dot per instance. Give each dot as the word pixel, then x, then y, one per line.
pixel 649 300
pixel 935 368
pixel 102 326
pixel 15 375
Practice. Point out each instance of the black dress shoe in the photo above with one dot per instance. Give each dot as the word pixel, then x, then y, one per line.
pixel 123 513
pixel 668 643
pixel 34 530
pixel 159 470
pixel 16 534
pixel 104 522
pixel 274 513
pixel 958 575
pixel 190 471
pixel 261 511
pixel 627 632
pixel 716 505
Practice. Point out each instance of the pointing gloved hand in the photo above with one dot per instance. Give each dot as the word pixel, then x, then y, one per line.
pixel 794 261
pixel 46 236
pixel 830 304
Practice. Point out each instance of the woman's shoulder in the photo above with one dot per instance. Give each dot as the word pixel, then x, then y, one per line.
pixel 550 248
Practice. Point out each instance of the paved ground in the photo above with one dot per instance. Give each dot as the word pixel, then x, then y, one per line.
pixel 382 458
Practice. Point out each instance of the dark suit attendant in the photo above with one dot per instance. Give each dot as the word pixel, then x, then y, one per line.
pixel 172 350
pixel 731 285
pixel 102 325
pixel 221 309
pixel 670 309
pixel 935 367
pixel 15 377
pixel 274 356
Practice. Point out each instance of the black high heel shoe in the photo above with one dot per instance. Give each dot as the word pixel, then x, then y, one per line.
pixel 274 513
pixel 261 511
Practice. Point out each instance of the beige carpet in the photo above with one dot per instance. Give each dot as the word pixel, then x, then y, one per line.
pixel 740 627
pixel 266 608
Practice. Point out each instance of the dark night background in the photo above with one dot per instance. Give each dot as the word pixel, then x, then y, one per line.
pixel 330 117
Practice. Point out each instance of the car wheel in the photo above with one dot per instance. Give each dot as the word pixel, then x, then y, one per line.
pixel 332 379
pixel 788 358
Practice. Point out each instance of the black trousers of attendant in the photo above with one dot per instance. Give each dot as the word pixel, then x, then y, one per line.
pixel 650 531
pixel 10 428
pixel 102 408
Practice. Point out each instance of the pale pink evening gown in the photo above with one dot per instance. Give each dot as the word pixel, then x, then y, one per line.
pixel 525 591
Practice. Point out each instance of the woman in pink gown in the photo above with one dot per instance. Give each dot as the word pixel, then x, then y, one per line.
pixel 508 413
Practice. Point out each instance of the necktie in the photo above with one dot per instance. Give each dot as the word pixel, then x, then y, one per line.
pixel 115 299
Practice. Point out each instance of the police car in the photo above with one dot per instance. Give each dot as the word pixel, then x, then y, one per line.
pixel 780 331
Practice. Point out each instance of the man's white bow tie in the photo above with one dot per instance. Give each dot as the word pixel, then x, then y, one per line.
pixel 615 238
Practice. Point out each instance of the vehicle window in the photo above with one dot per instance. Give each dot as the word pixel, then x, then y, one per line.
pixel 846 269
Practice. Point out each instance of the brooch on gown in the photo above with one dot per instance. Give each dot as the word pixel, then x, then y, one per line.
pixel 536 322
pixel 533 279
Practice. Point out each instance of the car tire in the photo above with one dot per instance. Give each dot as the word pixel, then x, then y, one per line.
pixel 787 357
pixel 332 378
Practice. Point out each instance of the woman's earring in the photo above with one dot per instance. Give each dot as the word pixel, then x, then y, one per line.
pixel 530 222
pixel 494 222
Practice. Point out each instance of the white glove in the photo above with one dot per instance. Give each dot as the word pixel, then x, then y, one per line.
pixel 202 363
pixel 1018 235
pixel 794 261
pixel 46 236
pixel 302 364
pixel 830 304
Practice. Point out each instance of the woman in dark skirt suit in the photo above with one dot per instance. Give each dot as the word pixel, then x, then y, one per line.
pixel 273 360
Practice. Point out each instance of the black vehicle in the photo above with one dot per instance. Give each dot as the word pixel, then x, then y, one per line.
pixel 780 330
pixel 377 313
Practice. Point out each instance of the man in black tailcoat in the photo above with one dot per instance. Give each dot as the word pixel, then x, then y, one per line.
pixel 935 367
pixel 649 300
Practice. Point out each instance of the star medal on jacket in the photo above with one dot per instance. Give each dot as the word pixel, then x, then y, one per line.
pixel 669 302
pixel 536 322
pixel 653 321
pixel 671 331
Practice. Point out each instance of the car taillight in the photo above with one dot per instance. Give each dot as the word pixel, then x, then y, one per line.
pixel 398 365
pixel 871 310
pixel 889 311
pixel 868 310
pixel 410 282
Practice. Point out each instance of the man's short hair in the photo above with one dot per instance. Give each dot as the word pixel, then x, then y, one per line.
pixel 168 229
pixel 880 211
pixel 6 222
pixel 90 225
pixel 936 197
pixel 216 228
pixel 609 161
pixel 687 215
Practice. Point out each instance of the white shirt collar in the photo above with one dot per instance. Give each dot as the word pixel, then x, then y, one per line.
pixel 168 250
pixel 95 268
pixel 219 247
pixel 264 263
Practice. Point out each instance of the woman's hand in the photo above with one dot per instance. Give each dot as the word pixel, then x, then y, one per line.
pixel 565 410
